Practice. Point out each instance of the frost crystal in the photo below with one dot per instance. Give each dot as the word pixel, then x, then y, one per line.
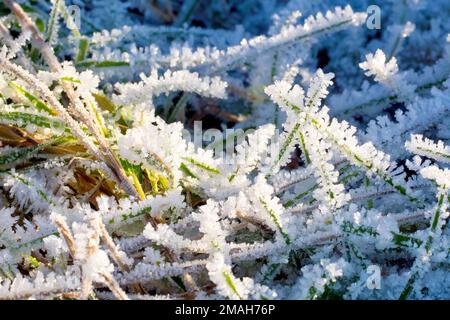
pixel 224 150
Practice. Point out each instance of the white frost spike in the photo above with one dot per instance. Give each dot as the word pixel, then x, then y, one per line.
pixel 377 66
pixel 332 21
pixel 440 176
pixel 426 147
pixel 39 287
pixel 386 72
pixel 182 80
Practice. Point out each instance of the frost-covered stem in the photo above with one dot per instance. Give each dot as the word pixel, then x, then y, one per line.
pixel 113 250
pixel 22 59
pixel 91 248
pixel 38 40
pixel 399 36
pixel 379 194
pixel 89 120
pixel 426 147
pixel 276 220
pixel 440 209
pixel 391 98
pixel 52 27
pixel 358 158
pixel 45 93
pixel 251 251
pixel 360 198
pixel 408 218
pixel 188 280
pixel 264 45
pixel 252 220
pixel 76 104
pixel 158 272
pixel 260 250
pixel 67 235
pixel 115 254
pixel 86 287
pixel 308 174
pixel 241 252
pixel 114 286
pixel 25 294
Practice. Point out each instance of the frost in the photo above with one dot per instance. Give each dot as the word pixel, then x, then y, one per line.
pixel 224 150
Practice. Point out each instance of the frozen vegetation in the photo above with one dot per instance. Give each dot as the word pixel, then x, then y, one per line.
pixel 238 149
